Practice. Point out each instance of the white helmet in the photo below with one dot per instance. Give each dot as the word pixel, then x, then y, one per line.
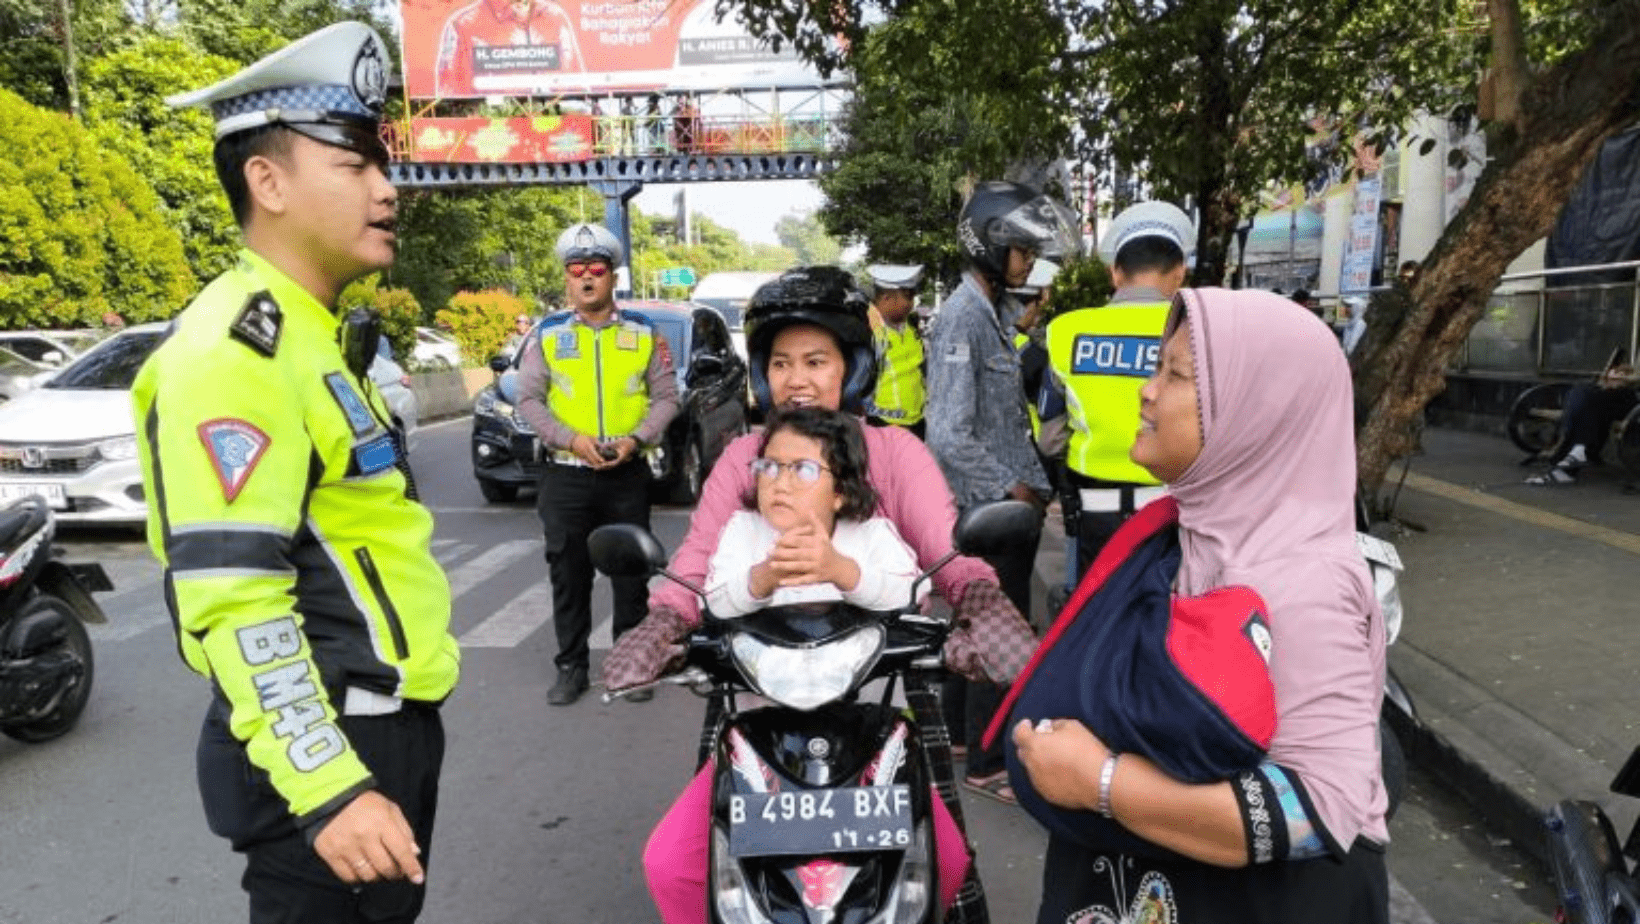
pixel 1149 219
pixel 589 242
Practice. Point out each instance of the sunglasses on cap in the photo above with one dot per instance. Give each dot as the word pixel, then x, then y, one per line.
pixel 807 470
pixel 595 270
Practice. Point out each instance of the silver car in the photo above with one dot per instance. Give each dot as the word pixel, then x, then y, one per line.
pixel 72 440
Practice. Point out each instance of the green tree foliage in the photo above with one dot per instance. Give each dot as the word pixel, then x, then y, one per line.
pixel 398 309
pixel 481 321
pixel 718 250
pixel 1208 100
pixel 32 49
pixel 473 239
pixel 80 233
pixel 805 236
pixel 1083 283
pixel 124 94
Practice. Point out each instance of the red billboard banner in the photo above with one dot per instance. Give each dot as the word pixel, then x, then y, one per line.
pixel 516 140
pixel 475 48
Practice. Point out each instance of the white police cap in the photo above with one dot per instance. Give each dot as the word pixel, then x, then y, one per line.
pixel 589 242
pixel 895 275
pixel 1149 219
pixel 329 85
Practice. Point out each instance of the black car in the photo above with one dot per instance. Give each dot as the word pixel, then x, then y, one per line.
pixel 711 398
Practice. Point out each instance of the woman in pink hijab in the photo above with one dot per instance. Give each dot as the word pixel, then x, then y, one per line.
pixel 1248 419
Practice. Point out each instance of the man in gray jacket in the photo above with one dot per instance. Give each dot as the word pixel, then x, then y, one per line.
pixel 978 426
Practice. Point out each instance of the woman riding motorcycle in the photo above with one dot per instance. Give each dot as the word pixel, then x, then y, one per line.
pixel 809 342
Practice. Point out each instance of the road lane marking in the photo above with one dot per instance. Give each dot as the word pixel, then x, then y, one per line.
pixel 1617 539
pixel 514 622
pixel 451 552
pixel 122 626
pixel 491 563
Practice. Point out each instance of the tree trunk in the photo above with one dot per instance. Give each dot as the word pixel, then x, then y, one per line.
pixel 1565 116
pixel 65 14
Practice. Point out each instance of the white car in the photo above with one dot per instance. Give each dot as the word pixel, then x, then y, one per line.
pixel 435 350
pixel 73 441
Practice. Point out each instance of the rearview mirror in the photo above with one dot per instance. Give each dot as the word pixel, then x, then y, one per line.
pixel 624 550
pixel 994 527
pixel 499 364
pixel 705 365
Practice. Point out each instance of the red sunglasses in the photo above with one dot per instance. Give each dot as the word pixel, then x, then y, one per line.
pixel 596 270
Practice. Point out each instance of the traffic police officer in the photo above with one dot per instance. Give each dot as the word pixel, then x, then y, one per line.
pixel 297 570
pixel 899 396
pixel 597 385
pixel 1099 358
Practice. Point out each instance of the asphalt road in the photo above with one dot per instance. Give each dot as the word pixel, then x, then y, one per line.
pixel 545 810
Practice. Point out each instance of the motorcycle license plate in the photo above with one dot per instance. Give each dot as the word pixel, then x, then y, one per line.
pixel 53 493
pixel 817 821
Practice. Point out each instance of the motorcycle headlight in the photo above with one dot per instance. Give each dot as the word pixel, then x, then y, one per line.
pixel 116 450
pixel 806 678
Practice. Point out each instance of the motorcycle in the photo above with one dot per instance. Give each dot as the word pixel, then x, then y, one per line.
pixel 821 802
pixel 1594 880
pixel 45 652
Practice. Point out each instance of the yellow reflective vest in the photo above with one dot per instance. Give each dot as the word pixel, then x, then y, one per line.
pixel 1102 357
pixel 599 385
pixel 900 393
pixel 298 567
pixel 1021 341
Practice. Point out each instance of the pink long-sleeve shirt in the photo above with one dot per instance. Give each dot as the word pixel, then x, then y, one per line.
pixel 911 492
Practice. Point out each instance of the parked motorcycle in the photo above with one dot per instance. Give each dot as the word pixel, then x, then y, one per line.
pixel 822 804
pixel 1594 880
pixel 45 653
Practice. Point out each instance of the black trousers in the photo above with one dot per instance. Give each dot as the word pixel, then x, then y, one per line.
pixel 1589 414
pixel 572 502
pixel 969 704
pixel 286 880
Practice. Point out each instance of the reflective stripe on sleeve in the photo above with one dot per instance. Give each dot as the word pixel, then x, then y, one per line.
pixel 225 546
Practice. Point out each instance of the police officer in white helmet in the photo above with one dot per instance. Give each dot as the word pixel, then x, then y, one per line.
pixel 1099 358
pixel 596 383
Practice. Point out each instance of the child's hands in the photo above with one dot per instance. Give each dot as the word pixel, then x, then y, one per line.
pixel 804 555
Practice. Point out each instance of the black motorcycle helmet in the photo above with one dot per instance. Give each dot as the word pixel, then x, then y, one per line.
pixel 1001 214
pixel 826 297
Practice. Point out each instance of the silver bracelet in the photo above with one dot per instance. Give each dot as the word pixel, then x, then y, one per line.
pixel 1107 774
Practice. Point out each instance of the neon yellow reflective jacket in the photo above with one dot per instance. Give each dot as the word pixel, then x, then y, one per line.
pixel 1021 341
pixel 900 393
pixel 298 566
pixel 1102 357
pixel 599 384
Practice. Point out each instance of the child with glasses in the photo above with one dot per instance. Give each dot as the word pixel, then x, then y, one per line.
pixel 814 535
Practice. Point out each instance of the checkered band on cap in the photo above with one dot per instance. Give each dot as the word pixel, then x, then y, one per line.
pixel 333 98
pixel 1149 229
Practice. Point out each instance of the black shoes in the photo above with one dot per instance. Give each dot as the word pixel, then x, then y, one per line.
pixel 572 682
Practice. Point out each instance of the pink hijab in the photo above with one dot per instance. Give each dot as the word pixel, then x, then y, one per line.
pixel 1269 504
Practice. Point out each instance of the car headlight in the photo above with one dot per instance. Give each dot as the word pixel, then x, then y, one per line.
pixel 117 450
pixel 806 678
pixel 489 404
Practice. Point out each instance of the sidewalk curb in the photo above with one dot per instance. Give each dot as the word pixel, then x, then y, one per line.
pixel 1507 765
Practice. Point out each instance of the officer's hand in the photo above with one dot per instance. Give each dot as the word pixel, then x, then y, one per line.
pixel 369 840
pixel 624 448
pixel 1023 492
pixel 586 449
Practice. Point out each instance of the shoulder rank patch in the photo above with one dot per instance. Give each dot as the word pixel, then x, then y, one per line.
pixel 234 446
pixel 353 406
pixel 257 324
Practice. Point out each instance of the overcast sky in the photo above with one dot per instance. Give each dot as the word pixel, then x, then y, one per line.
pixel 748 207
